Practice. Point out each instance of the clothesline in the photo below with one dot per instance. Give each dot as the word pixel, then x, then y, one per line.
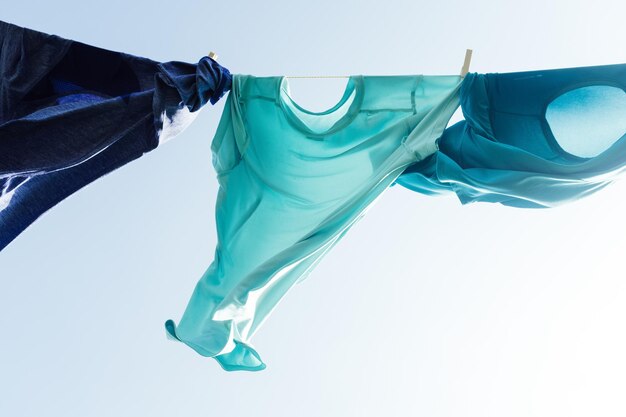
pixel 464 68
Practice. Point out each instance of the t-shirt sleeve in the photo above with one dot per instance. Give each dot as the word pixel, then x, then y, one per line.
pixel 226 154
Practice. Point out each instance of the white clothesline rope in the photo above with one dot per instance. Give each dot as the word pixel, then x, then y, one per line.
pixel 464 69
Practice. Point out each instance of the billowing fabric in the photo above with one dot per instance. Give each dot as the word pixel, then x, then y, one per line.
pixel 531 139
pixel 292 183
pixel 71 113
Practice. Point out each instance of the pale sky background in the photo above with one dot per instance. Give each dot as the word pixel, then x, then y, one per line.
pixel 425 308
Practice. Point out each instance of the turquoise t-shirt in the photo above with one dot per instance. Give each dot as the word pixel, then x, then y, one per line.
pixel 292 183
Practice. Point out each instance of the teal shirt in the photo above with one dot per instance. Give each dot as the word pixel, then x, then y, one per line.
pixel 292 183
pixel 532 139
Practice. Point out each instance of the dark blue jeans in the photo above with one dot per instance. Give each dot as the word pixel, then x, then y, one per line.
pixel 71 113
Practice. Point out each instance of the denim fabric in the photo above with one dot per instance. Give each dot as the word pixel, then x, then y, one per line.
pixel 531 139
pixel 71 113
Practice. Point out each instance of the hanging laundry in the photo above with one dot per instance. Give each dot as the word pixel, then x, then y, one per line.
pixel 292 183
pixel 531 139
pixel 71 113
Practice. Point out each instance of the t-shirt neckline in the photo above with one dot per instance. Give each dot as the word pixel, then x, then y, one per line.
pixel 354 85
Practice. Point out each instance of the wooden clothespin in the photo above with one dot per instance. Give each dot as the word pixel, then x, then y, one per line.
pixel 466 63
pixel 213 56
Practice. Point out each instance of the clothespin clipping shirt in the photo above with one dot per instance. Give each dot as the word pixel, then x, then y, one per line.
pixel 213 56
pixel 466 63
